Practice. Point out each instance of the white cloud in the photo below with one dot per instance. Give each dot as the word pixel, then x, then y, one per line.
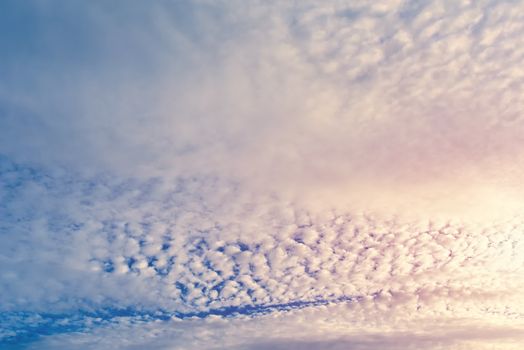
pixel 364 100
pixel 332 327
pixel 199 156
pixel 249 253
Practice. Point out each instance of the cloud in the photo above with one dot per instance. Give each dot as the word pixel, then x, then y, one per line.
pixel 207 248
pixel 302 329
pixel 302 168
pixel 368 100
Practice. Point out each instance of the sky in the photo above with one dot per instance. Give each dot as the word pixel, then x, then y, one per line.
pixel 200 174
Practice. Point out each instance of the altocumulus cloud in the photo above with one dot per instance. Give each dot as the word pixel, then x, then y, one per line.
pixel 255 175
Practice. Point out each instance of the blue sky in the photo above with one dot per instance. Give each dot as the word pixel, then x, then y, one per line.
pixel 261 174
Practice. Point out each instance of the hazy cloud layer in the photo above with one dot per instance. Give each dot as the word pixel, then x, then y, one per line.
pixel 317 328
pixel 306 97
pixel 200 174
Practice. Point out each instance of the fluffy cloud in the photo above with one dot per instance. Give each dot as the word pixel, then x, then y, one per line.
pixel 204 247
pixel 279 172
